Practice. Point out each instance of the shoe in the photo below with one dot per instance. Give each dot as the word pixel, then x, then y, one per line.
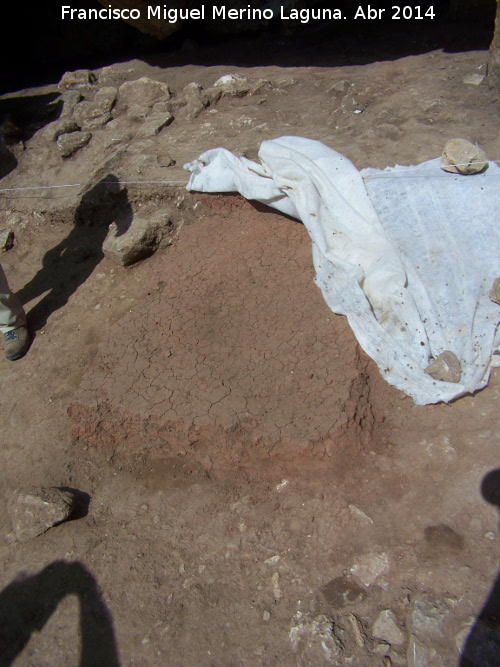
pixel 16 343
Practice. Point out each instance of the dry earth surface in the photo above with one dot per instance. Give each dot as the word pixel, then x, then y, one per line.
pixel 251 491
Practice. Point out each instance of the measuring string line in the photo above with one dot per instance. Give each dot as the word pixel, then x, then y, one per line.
pixel 388 174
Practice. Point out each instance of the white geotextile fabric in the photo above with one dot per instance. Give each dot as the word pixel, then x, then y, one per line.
pixel 408 255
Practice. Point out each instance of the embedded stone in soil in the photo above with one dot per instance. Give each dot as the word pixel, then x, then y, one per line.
pixel 232 358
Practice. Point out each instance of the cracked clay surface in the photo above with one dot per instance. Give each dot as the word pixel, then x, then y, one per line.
pixel 233 343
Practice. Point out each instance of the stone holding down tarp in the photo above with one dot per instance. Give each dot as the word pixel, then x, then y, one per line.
pixel 408 254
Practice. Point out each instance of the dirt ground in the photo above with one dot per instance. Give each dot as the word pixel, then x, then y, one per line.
pixel 252 492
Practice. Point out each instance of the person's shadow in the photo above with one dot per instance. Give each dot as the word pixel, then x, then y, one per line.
pixel 27 604
pixel 68 265
pixel 482 648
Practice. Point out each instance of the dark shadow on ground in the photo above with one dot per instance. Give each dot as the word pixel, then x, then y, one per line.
pixel 23 115
pixel 68 265
pixel 482 648
pixel 28 602
pixel 82 502
pixel 20 118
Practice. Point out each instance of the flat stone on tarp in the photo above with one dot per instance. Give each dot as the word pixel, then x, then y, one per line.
pixel 495 291
pixel 445 367
pixel 461 157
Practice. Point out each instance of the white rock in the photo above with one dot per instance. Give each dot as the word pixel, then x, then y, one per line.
pixel 386 628
pixel 474 79
pixel 369 567
pixel 230 79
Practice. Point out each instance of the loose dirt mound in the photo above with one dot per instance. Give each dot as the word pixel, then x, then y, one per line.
pixel 233 358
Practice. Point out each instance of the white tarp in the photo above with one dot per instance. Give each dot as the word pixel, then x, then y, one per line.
pixel 408 255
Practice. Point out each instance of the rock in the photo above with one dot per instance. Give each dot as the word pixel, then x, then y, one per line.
pixel 386 629
pixel 193 108
pixel 105 98
pixel 360 515
pixel 314 641
pixel 161 107
pixel 154 124
pixel 261 86
pixel 138 240
pixel 418 655
pixel 275 581
pixel 192 101
pixel 369 567
pixel 232 85
pixel 357 630
pixel 192 90
pixel 142 91
pixel 34 512
pixel 165 160
pixel 428 615
pixel 230 80
pixel 445 367
pixel 340 592
pixel 212 95
pixel 80 79
pixel 91 124
pixel 70 143
pixel 495 291
pixel 195 102
pixel 59 127
pixel 474 79
pixel 69 99
pixel 382 649
pixel 101 105
pixel 138 112
pixel 266 616
pixel 461 157
pixel 6 239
